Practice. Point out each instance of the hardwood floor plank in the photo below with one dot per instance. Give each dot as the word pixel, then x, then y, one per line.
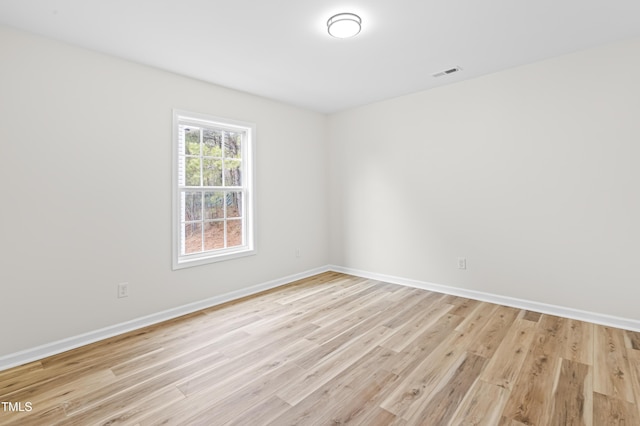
pixel 612 411
pixel 332 280
pixel 454 300
pixel 465 308
pixel 340 340
pixel 420 382
pixel 478 318
pixel 426 342
pixel 335 349
pixel 612 376
pixel 331 300
pixel 573 395
pixel 424 301
pixel 52 415
pixel 52 393
pixel 505 365
pixel 321 312
pixel 17 374
pixel 490 336
pixel 357 406
pixel 132 386
pixel 120 347
pixel 311 292
pixel 440 408
pixel 532 316
pixel 127 411
pixel 376 417
pixel 252 364
pixel 482 406
pixel 266 342
pixel 634 364
pixel 634 340
pixel 504 421
pixel 358 402
pixel 331 366
pixel 370 366
pixel 528 402
pixel 208 344
pixel 219 402
pixel 416 326
pixel 235 403
pixel 266 411
pixel 579 342
pixel 340 324
pixel 324 307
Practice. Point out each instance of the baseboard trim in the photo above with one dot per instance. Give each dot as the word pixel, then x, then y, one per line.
pixel 562 311
pixel 54 348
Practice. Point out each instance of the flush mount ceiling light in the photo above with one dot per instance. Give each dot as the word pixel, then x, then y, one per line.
pixel 344 25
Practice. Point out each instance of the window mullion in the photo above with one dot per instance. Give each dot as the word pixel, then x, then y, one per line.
pixel 225 234
pixel 202 219
pixel 224 217
pixel 224 183
pixel 201 158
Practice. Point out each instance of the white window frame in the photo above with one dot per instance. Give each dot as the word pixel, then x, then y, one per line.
pixel 248 248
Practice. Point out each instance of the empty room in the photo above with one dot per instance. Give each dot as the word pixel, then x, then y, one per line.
pixel 320 212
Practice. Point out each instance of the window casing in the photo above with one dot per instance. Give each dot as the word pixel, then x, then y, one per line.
pixel 213 203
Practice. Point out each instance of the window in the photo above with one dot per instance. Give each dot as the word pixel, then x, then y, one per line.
pixel 213 189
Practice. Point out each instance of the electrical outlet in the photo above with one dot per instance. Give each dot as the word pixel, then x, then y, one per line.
pixel 123 290
pixel 297 252
pixel 462 263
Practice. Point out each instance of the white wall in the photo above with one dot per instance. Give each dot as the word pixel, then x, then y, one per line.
pixel 85 164
pixel 532 174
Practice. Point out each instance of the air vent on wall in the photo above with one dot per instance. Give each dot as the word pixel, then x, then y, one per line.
pixel 447 72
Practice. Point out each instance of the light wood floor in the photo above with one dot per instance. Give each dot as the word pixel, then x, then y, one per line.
pixel 334 350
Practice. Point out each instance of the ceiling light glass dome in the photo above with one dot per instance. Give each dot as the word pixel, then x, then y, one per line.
pixel 344 25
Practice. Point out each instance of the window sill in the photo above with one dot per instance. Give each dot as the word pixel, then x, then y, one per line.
pixel 188 262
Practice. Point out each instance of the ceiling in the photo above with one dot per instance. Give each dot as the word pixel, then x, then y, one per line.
pixel 280 49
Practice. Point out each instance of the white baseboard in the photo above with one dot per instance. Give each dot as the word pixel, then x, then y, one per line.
pixel 561 311
pixel 53 348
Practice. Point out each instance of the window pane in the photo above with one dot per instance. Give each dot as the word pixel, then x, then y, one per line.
pixel 234 233
pixel 193 172
pixel 192 238
pixel 192 203
pixel 232 173
pixel 212 172
pixel 232 145
pixel 212 143
pixel 214 205
pixel 213 235
pixel 192 141
pixel 234 204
